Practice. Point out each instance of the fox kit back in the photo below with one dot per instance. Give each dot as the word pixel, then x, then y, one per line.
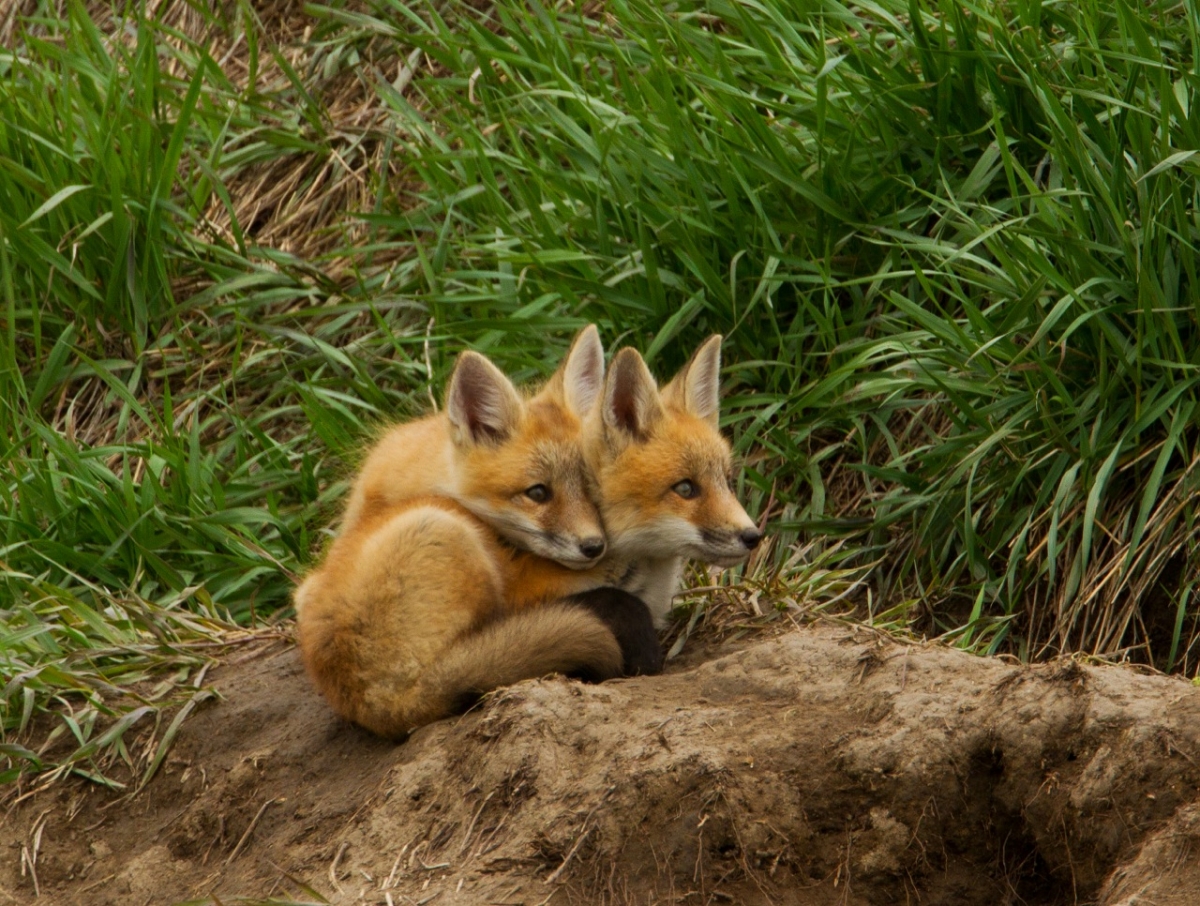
pixel 514 462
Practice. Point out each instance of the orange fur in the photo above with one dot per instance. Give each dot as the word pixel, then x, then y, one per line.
pixel 423 601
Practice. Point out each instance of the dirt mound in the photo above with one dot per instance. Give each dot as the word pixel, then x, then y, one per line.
pixel 825 766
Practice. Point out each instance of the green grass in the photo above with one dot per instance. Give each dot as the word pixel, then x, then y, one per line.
pixel 954 260
pixel 952 248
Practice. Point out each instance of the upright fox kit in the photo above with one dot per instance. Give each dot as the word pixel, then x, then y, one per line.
pixel 421 605
pixel 663 476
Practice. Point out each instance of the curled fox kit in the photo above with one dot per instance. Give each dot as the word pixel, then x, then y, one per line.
pixel 515 535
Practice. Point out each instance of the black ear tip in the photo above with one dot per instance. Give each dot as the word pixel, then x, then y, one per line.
pixel 466 366
pixel 626 357
pixel 628 370
pixel 471 362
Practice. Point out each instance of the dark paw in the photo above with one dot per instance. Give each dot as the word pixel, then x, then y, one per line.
pixel 630 621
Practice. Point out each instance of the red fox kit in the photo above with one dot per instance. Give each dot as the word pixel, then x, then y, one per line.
pixel 663 474
pixel 425 558
pixel 421 606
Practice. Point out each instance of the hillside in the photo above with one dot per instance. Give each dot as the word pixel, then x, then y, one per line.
pixel 829 765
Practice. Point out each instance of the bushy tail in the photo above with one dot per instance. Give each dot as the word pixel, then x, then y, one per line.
pixel 557 638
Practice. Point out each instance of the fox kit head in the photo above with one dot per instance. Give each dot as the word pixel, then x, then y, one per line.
pixel 520 460
pixel 663 469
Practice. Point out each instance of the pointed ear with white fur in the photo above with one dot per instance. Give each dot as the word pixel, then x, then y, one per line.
pixel 583 371
pixel 482 404
pixel 631 403
pixel 698 385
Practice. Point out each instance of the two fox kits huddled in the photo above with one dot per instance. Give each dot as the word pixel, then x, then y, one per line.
pixel 503 538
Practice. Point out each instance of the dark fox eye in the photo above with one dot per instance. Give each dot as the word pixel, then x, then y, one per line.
pixel 686 489
pixel 729 482
pixel 539 493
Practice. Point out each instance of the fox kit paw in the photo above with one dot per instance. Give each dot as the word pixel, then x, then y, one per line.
pixel 633 625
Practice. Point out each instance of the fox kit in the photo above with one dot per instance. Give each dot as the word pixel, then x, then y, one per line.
pixel 398 625
pixel 425 606
pixel 663 476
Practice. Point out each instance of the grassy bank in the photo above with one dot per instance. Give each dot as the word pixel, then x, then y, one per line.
pixel 951 248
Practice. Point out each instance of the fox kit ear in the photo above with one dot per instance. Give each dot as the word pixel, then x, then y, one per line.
pixel 631 402
pixel 482 404
pixel 583 371
pixel 698 386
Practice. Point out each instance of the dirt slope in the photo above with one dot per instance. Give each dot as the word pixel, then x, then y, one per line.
pixel 826 766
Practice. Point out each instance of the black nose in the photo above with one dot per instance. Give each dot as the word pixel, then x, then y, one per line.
pixel 591 547
pixel 751 537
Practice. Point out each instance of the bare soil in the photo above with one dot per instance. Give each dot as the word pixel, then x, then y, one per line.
pixel 826 766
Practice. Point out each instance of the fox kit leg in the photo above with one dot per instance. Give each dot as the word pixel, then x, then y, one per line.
pixel 628 618
pixel 416 584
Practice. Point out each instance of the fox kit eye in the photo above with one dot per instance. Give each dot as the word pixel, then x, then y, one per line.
pixel 729 482
pixel 539 493
pixel 686 489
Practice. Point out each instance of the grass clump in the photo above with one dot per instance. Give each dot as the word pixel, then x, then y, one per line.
pixel 951 248
pixel 162 403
